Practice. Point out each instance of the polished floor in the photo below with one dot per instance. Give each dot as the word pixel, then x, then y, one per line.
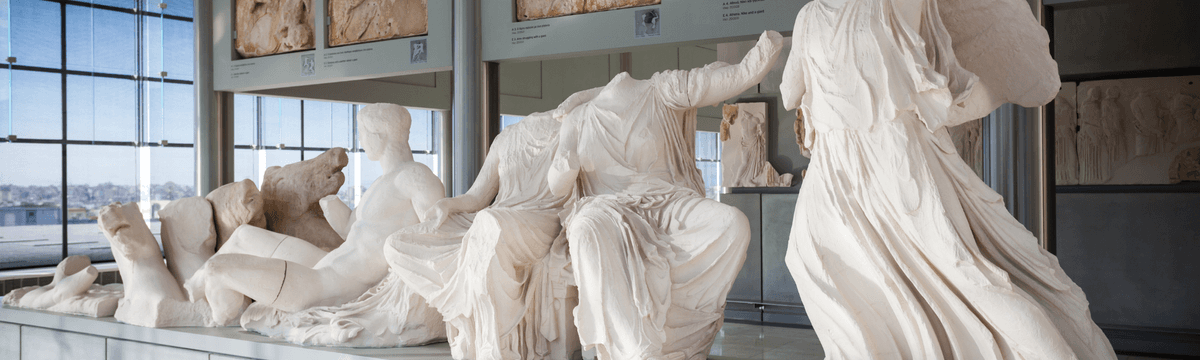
pixel 741 341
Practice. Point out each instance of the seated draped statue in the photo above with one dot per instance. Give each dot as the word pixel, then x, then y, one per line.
pixel 898 249
pixel 290 274
pixel 485 259
pixel 652 257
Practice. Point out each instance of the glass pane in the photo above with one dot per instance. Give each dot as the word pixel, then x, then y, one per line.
pixel 177 124
pixel 245 165
pixel 5 101
pixel 96 176
pixel 5 29
pixel 430 160
pixel 30 205
pixel 101 109
pixel 506 120
pixel 244 119
pixel 37 105
pixel 419 137
pixel 342 118
pixel 277 157
pixel 152 46
pixel 371 170
pixel 280 122
pixel 116 34
pixel 124 4
pixel 36 33
pixel 318 124
pixel 178 46
pixel 174 7
pixel 346 193
pixel 172 173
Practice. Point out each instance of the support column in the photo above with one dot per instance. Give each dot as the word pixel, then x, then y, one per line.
pixel 475 98
pixel 214 110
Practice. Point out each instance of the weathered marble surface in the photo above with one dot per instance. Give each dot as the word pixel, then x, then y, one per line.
pixel 744 148
pixel 234 205
pixel 898 249
pixel 358 21
pixel 1186 166
pixel 189 235
pixel 71 291
pixel 291 196
pixel 969 144
pixel 1066 130
pixel 266 27
pixel 538 9
pixel 1132 130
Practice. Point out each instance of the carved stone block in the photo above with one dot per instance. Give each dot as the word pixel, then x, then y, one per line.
pixel 266 27
pixel 602 5
pixel 1066 128
pixel 1186 166
pixel 744 151
pixel 234 205
pixel 358 21
pixel 540 9
pixel 291 196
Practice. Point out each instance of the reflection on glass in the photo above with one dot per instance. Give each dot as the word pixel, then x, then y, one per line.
pixel 37 105
pixel 36 33
pixel 101 109
pixel 97 176
pixel 708 160
pixel 30 205
pixel 100 40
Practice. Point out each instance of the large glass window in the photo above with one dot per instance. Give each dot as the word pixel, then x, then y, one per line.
pixel 275 132
pixel 96 107
pixel 708 159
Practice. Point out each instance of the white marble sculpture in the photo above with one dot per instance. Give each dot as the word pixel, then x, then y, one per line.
pixel 968 142
pixel 744 148
pixel 236 204
pixel 291 196
pixel 71 292
pixel 153 297
pixel 899 251
pixel 189 236
pixel 291 275
pixel 492 260
pixel 266 27
pixel 652 257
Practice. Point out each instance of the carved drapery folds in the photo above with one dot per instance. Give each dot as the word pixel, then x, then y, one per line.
pixel 540 9
pixel 266 27
pixel 359 21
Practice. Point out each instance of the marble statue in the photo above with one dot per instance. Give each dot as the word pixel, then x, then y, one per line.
pixel 898 250
pixel 359 21
pixel 291 196
pixel 492 260
pixel 744 148
pixel 539 9
pixel 72 291
pixel 292 275
pixel 1066 130
pixel 236 204
pixel 652 257
pixel 266 27
pixel 1132 130
pixel 153 297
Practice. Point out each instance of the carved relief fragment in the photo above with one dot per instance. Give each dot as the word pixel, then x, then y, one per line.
pixel 291 196
pixel 968 142
pixel 1066 126
pixel 540 9
pixel 266 27
pixel 744 150
pixel 358 21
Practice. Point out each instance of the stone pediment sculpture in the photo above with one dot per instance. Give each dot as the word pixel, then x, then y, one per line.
pixel 898 249
pixel 653 258
pixel 359 21
pixel 492 261
pixel 236 204
pixel 291 196
pixel 266 27
pixel 744 148
pixel 539 9
pixel 295 284
pixel 1130 131
pixel 71 291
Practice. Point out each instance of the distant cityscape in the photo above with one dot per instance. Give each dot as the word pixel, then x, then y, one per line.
pixel 41 205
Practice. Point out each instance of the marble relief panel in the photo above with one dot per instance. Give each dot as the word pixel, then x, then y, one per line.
pixel 266 27
pixel 359 21
pixel 540 9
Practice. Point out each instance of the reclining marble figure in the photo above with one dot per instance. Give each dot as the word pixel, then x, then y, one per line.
pixel 492 261
pixel 652 257
pixel 899 251
pixel 291 274
pixel 71 291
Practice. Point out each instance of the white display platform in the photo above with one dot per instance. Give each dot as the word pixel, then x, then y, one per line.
pixel 46 335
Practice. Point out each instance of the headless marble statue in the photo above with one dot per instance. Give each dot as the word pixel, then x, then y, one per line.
pixel 291 274
pixel 652 257
pixel 898 250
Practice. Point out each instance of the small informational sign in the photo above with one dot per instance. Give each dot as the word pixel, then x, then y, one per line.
pixel 648 23
pixel 417 51
pixel 308 65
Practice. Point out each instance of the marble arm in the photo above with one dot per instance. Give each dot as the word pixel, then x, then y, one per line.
pixel 564 169
pixel 481 194
pixel 421 190
pixel 713 84
pixel 793 86
pixel 339 216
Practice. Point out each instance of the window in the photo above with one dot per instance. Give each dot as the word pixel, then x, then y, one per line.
pixel 92 112
pixel 708 159
pixel 273 131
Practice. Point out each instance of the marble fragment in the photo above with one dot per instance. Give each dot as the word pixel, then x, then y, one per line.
pixel 604 5
pixel 189 235
pixel 266 27
pixel 359 21
pixel 1186 166
pixel 234 205
pixel 291 196
pixel 72 291
pixel 1066 130
pixel 1131 130
pixel 744 148
pixel 539 9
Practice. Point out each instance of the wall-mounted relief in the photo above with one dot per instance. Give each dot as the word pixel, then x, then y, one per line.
pixel 540 9
pixel 1132 131
pixel 744 148
pixel 1066 128
pixel 968 142
pixel 359 21
pixel 266 27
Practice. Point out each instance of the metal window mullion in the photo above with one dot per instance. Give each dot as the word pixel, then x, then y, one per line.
pixel 62 13
pixel 301 130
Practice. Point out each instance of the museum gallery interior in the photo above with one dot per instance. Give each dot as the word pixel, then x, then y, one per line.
pixel 599 179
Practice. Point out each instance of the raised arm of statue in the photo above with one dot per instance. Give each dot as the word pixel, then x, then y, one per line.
pixel 717 82
pixel 479 196
pixel 339 216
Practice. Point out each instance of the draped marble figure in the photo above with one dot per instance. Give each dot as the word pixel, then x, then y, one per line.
pixel 652 257
pixel 291 274
pixel 492 261
pixel 898 250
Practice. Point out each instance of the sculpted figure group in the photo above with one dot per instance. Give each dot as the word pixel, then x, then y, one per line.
pixel 588 227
